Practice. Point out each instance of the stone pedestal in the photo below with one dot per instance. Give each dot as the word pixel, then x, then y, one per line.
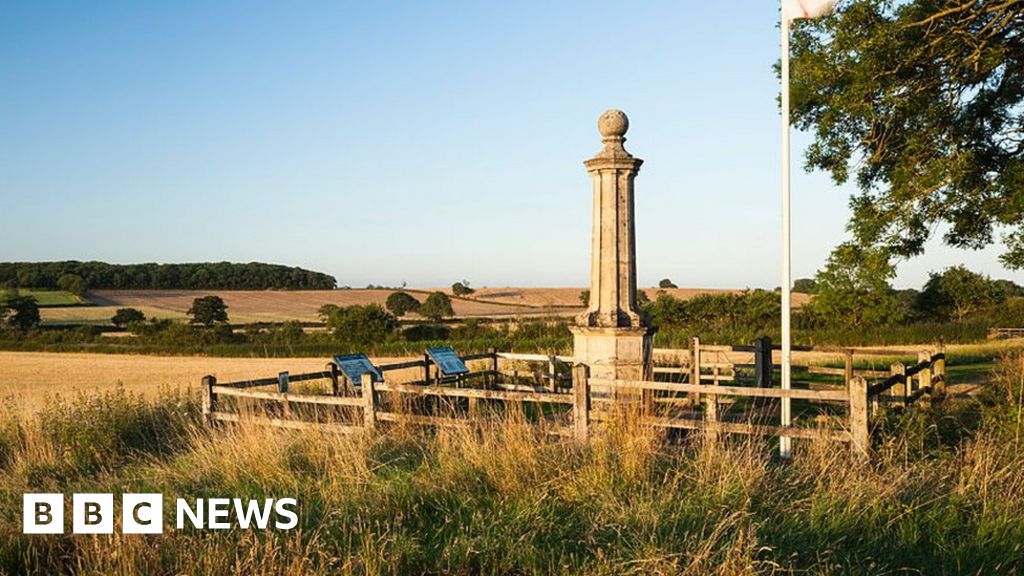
pixel 611 337
pixel 614 353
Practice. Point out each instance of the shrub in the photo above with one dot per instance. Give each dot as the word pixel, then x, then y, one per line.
pixel 126 316
pixel 462 288
pixel 367 324
pixel 398 303
pixel 437 306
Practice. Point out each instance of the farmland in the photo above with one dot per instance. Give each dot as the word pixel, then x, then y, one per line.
pixel 31 379
pixel 943 495
pixel 51 298
pixel 246 306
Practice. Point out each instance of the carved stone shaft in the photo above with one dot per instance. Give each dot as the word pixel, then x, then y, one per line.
pixel 613 248
pixel 611 337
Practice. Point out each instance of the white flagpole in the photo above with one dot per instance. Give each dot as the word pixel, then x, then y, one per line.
pixel 785 442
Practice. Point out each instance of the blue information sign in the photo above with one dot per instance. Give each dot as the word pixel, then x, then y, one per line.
pixel 448 361
pixel 355 365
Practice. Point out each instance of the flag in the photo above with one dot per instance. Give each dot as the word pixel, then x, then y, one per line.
pixel 794 9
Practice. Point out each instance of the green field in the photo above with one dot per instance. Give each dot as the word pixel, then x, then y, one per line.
pixel 52 298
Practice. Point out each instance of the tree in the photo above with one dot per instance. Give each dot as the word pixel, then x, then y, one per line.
pixel 585 297
pixel 208 310
pixel 125 316
pixel 666 283
pixel 437 306
pixel 398 303
pixel 22 312
pixel 804 285
pixel 367 324
pixel 72 283
pixel 326 311
pixel 641 298
pixel 923 100
pixel 462 288
pixel 957 293
pixel 853 288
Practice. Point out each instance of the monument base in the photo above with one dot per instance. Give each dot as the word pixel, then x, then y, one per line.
pixel 614 353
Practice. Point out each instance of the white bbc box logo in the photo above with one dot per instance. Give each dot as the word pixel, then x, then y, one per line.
pixel 93 513
pixel 43 514
pixel 142 514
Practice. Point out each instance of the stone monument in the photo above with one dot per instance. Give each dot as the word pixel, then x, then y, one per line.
pixel 611 337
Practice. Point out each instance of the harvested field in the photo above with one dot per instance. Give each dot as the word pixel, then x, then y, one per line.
pixel 278 306
pixel 29 378
pixel 570 297
pixel 246 306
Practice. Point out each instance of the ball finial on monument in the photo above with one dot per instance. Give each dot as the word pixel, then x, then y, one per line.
pixel 613 124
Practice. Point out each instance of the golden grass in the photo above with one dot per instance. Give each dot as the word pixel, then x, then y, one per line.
pixel 30 378
pixel 505 500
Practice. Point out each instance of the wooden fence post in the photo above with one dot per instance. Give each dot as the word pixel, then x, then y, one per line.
pixel 899 389
pixel 581 401
pixel 552 374
pixel 426 369
pixel 924 377
pixel 369 407
pixel 711 406
pixel 494 365
pixel 939 373
pixel 847 367
pixel 859 433
pixel 282 387
pixel 695 369
pixel 209 398
pixel 335 384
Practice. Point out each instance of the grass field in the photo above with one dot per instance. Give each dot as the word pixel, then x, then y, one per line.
pixel 29 380
pixel 943 494
pixel 53 297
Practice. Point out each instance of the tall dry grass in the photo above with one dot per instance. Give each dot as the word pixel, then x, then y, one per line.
pixel 506 499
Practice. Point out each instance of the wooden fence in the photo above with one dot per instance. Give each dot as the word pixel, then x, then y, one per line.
pixel 576 402
pixel 1000 333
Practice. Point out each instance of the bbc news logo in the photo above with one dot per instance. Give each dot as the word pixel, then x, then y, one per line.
pixel 143 514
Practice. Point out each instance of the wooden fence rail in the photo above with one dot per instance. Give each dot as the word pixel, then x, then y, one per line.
pixel 366 406
pixel 997 333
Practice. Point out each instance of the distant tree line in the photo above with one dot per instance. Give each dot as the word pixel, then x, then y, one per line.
pixel 79 276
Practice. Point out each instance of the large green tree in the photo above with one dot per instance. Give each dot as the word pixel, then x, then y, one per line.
pixel 20 312
pixel 437 306
pixel 922 103
pixel 399 303
pixel 208 310
pixel 72 283
pixel 125 316
pixel 957 293
pixel 853 288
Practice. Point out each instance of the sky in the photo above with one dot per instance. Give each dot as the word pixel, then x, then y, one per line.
pixel 419 142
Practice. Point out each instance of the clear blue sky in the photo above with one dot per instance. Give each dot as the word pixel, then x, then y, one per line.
pixel 417 141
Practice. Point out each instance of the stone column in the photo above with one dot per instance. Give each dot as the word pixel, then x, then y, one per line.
pixel 610 336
